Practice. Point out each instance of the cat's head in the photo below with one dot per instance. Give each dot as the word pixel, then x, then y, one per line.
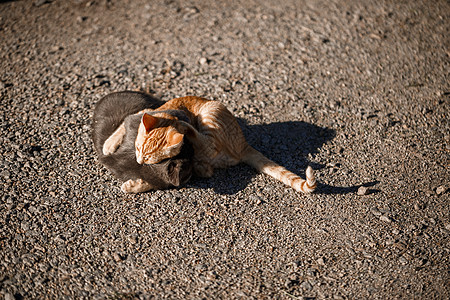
pixel 157 139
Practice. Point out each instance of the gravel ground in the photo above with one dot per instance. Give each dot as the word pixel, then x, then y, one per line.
pixel 357 89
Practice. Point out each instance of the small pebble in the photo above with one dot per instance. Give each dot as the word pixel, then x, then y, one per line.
pixel 117 257
pixel 255 199
pixel 441 190
pixel 203 60
pixel 306 285
pixel 81 19
pixel 385 219
pixel 25 226
pixel 311 272
pixel 333 164
pixel 375 211
pixel 403 260
pixel 363 191
pixel 416 206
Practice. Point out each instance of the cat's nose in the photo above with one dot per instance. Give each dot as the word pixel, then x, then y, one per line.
pixel 140 160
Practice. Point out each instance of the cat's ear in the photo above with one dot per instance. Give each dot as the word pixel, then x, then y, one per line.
pixel 149 122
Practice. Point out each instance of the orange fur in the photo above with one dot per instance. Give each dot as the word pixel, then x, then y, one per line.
pixel 217 139
pixel 157 139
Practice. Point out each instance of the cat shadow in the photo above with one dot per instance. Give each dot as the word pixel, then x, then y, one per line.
pixel 286 143
pixel 329 189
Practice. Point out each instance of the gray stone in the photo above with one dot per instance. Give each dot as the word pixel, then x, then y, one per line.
pixel 306 286
pixel 375 211
pixel 441 190
pixel 385 219
pixel 362 190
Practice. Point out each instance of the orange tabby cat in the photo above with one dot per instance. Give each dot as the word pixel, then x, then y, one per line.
pixel 217 139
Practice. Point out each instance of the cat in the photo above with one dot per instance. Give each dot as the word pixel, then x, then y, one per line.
pixel 215 134
pixel 121 108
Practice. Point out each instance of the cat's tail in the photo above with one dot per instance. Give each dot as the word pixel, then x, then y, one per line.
pixel 261 163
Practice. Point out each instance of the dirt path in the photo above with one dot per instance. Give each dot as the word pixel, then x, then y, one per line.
pixel 358 90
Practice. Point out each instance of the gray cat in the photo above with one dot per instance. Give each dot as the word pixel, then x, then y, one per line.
pixel 109 113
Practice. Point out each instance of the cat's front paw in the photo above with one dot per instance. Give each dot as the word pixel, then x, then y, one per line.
pixel 135 186
pixel 110 146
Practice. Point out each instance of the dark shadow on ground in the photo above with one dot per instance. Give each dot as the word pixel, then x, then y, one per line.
pixel 286 143
pixel 329 189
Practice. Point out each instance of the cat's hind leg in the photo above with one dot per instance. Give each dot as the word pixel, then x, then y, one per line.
pixel 135 186
pixel 114 141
